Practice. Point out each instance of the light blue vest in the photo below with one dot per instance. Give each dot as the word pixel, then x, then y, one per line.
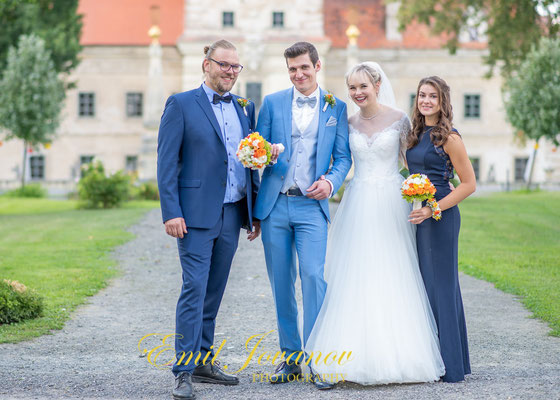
pixel 303 159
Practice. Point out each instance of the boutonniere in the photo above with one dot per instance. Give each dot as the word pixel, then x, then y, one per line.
pixel 329 99
pixel 243 103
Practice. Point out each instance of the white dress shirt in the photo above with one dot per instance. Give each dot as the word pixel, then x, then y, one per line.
pixel 303 115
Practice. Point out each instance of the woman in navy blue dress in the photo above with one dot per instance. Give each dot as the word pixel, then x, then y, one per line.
pixel 434 149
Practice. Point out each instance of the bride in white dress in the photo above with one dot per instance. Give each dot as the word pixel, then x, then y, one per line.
pixel 376 304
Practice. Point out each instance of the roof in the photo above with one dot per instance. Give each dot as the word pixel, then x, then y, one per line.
pixel 126 22
pixel 369 17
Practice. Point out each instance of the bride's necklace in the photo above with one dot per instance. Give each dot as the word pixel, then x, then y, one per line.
pixel 369 118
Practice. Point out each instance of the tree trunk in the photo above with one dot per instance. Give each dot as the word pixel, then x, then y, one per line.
pixel 24 163
pixel 531 168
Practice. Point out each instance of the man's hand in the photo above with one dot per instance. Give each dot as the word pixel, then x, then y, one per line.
pixel 321 189
pixel 256 231
pixel 176 227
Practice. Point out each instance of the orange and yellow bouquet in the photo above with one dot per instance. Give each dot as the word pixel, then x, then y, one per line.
pixel 417 188
pixel 254 151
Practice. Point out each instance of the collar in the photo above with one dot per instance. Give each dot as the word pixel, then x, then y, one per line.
pixel 298 94
pixel 210 92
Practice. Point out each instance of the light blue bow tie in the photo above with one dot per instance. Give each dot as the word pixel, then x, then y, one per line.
pixel 311 101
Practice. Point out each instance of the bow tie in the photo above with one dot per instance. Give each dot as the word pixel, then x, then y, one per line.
pixel 310 101
pixel 218 98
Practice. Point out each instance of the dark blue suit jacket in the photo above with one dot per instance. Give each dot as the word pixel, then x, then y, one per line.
pixel 192 160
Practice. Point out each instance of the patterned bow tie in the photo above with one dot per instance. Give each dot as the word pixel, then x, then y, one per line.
pixel 218 98
pixel 310 101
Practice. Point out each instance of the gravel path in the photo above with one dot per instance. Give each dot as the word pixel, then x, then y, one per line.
pixel 96 355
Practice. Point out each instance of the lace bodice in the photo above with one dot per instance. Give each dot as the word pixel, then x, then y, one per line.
pixel 376 155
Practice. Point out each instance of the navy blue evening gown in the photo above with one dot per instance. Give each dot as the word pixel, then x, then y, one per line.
pixel 437 243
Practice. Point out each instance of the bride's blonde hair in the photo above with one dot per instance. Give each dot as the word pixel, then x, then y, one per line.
pixel 366 68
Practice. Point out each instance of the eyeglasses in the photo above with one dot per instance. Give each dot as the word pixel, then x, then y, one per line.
pixel 225 67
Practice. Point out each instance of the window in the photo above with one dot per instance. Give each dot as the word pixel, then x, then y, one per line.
pixel 475 161
pixel 412 101
pixel 86 107
pixel 84 160
pixel 254 93
pixel 131 163
pixel 278 19
pixel 520 165
pixel 227 18
pixel 134 104
pixel 37 167
pixel 472 106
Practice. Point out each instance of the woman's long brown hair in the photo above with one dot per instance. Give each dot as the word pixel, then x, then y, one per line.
pixel 444 126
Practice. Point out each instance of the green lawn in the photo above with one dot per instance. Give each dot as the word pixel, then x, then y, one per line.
pixel 513 240
pixel 61 252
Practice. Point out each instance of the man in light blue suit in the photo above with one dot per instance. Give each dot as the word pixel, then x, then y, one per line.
pixel 292 202
pixel 206 197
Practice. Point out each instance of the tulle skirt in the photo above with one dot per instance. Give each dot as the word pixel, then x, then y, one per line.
pixel 376 305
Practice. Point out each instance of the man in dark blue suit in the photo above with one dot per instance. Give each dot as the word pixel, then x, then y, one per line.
pixel 207 196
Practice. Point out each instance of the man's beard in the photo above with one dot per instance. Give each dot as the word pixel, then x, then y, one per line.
pixel 221 87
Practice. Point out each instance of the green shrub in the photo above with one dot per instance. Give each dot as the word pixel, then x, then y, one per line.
pixel 73 195
pixel 98 190
pixel 18 303
pixel 337 197
pixel 148 191
pixel 31 190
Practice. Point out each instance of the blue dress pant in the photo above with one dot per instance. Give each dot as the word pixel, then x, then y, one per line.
pixel 296 225
pixel 206 256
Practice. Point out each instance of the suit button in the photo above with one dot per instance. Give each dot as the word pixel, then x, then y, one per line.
pixel 282 177
pixel 225 162
pixel 288 160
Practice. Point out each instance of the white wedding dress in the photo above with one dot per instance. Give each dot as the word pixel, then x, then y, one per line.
pixel 376 305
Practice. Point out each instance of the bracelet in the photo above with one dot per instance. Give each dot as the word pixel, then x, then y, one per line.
pixel 436 211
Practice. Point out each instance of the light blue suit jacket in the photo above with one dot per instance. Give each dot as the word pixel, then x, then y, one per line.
pixel 275 125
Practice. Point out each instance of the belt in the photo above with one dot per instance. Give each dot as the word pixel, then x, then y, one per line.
pixel 293 192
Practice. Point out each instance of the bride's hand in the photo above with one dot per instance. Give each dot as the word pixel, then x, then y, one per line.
pixel 274 152
pixel 418 216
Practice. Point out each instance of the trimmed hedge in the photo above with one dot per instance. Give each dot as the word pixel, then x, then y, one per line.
pixel 33 190
pixel 18 303
pixel 96 189
pixel 148 191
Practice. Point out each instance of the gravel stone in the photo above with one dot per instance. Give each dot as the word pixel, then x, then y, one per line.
pixel 96 355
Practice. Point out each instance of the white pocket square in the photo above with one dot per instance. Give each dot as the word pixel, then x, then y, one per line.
pixel 332 121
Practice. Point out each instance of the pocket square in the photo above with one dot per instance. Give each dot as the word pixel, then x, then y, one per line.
pixel 332 121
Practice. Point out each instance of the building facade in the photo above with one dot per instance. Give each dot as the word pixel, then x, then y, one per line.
pixel 126 74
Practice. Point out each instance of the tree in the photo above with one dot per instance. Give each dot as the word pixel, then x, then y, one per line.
pixel 531 94
pixel 55 21
pixel 31 95
pixel 511 26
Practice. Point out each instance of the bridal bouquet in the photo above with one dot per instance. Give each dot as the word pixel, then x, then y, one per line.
pixel 254 151
pixel 417 188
